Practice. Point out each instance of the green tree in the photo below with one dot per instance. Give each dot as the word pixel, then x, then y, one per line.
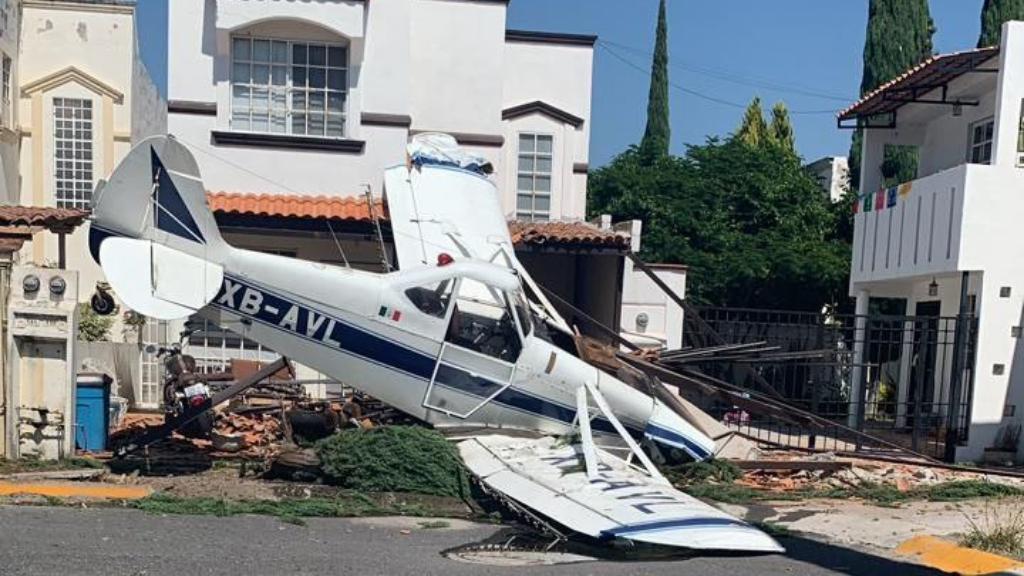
pixel 781 129
pixel 899 36
pixel 657 135
pixel 993 15
pixel 749 221
pixel 753 130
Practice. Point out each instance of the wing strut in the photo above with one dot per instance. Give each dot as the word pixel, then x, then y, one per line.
pixel 583 418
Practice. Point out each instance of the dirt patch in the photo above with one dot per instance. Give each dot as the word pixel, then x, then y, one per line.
pixel 220 483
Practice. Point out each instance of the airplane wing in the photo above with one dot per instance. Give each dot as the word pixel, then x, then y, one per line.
pixel 547 476
pixel 443 202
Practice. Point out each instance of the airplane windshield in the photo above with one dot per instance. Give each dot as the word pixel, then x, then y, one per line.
pixel 483 322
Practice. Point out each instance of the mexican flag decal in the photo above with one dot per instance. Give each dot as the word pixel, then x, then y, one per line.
pixel 388 313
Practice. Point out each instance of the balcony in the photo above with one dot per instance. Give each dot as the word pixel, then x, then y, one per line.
pixel 958 219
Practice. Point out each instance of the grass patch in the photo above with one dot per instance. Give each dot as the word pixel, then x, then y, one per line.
pixel 435 525
pixel 704 472
pixel 878 494
pixel 773 529
pixel 393 459
pixel 999 531
pixel 291 510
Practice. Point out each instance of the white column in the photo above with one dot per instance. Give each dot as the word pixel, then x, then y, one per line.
pixel 1009 95
pixel 859 336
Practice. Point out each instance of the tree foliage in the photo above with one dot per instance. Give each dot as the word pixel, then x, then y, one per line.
pixel 899 36
pixel 91 326
pixel 781 129
pixel 750 222
pixel 993 15
pixel 753 130
pixel 657 135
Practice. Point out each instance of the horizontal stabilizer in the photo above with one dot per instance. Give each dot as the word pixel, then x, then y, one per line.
pixel 544 475
pixel 158 281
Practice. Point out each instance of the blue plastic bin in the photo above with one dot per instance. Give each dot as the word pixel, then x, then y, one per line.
pixel 92 411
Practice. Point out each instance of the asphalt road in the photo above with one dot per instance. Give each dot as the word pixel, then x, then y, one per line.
pixel 113 542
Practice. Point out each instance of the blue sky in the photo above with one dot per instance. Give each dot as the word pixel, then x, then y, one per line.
pixel 806 52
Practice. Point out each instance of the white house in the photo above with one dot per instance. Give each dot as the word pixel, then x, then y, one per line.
pixel 947 242
pixel 79 98
pixel 320 97
pixel 833 173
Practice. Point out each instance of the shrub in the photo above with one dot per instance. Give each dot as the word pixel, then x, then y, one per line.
pixel 393 459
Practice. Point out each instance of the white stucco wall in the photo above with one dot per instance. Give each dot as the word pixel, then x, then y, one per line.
pixel 439 65
pixel 99 43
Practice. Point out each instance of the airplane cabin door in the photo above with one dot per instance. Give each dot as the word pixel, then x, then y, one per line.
pixel 478 357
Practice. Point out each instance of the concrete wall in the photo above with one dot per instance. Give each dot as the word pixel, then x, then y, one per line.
pixel 640 295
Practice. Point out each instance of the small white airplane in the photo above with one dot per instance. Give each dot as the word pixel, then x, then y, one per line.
pixel 460 337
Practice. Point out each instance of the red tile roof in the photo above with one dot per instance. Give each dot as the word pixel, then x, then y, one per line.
pixel 353 208
pixel 38 217
pixel 579 235
pixel 565 234
pixel 934 72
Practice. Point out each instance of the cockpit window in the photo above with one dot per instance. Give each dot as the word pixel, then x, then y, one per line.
pixel 432 299
pixel 483 322
pixel 523 312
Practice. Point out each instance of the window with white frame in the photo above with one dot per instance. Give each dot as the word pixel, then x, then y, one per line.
pixel 155 333
pixel 533 176
pixel 6 90
pixel 73 153
pixel 287 87
pixel 981 134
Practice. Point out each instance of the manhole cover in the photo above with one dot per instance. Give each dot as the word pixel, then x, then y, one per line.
pixel 517 557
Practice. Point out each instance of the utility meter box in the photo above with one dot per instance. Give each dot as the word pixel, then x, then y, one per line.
pixel 42 323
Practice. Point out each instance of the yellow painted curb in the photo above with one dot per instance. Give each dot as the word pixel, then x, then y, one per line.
pixel 72 490
pixel 949 557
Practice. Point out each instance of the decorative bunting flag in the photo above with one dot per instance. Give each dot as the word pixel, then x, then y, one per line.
pixel 855 205
pixel 905 188
pixel 890 199
pixel 880 200
pixel 867 202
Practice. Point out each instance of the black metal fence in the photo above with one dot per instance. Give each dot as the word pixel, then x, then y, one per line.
pixel 907 380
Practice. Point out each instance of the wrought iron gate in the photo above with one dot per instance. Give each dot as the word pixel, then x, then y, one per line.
pixel 905 379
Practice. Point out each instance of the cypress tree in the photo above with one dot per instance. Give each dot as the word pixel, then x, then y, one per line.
pixel 655 143
pixel 899 36
pixel 781 129
pixel 753 130
pixel 993 15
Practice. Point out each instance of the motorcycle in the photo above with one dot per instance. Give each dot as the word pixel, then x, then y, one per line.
pixel 185 391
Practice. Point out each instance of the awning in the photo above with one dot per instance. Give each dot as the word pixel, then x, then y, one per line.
pixel 932 74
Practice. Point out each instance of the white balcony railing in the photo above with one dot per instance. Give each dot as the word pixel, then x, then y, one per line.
pixel 913 229
pixel 964 218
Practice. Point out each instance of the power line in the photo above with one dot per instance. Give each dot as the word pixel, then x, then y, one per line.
pixel 701 95
pixel 755 82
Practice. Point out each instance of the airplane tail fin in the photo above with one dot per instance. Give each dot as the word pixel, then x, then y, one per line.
pixel 153 233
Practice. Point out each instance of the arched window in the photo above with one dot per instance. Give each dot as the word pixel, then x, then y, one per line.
pixel 288 86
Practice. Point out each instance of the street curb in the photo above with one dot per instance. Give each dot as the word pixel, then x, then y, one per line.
pixel 75 490
pixel 951 557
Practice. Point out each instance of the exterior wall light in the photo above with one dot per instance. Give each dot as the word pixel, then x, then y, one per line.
pixel 933 288
pixel 642 320
pixel 958 110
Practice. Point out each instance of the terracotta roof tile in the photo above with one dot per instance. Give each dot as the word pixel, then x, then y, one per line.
pixel 934 71
pixel 353 208
pixel 46 217
pixel 565 234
